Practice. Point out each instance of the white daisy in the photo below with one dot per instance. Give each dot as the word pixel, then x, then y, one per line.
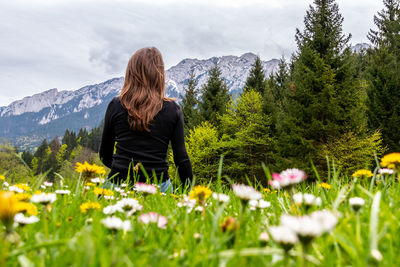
pixel 246 192
pixel 222 198
pixel 44 198
pixel 145 188
pixel 153 217
pixel 116 223
pixel 21 219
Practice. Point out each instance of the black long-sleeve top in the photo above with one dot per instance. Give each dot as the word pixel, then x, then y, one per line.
pixel 146 147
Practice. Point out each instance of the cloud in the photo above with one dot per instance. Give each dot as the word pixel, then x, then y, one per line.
pixel 69 44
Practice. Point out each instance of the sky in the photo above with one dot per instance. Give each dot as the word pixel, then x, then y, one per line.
pixel 67 44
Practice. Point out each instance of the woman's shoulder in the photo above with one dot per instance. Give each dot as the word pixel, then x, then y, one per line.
pixel 170 104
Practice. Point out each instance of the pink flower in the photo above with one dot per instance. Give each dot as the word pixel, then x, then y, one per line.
pixel 153 217
pixel 287 177
pixel 145 188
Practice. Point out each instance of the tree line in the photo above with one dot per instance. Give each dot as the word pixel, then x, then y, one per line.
pixel 327 101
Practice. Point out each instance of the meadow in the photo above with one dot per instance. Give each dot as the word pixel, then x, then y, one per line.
pixel 335 220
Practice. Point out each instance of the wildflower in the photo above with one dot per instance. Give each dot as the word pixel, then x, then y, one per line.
pixel 245 192
pixel 47 184
pixel 174 196
pixel 102 191
pixel 145 188
pixel 153 217
pixel 115 223
pixel 63 192
pixel 89 170
pixel 363 173
pixel 98 180
pixel 287 177
pixel 324 185
pixel 130 205
pixel 27 208
pixel 263 238
pixel 222 198
pixel 391 161
pixel 196 236
pixel 284 236
pixel 267 190
pixel 2 178
pixel 21 219
pixel 326 219
pixel 356 203
pixel 24 187
pixel 23 196
pixel 15 189
pixel 111 209
pixel 385 171
pixel 229 225
pixel 90 205
pixel 376 255
pixel 187 202
pixel 259 204
pixel 8 208
pixel 304 226
pixel 90 184
pixel 307 199
pixel 44 198
pixel 200 193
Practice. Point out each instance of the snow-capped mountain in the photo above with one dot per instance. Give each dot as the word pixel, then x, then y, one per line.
pixel 45 115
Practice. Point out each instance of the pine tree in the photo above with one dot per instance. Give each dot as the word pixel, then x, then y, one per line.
pixel 214 96
pixel 383 75
pixel 190 104
pixel 325 98
pixel 256 78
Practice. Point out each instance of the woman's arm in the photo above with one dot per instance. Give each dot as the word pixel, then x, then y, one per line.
pixel 108 138
pixel 181 157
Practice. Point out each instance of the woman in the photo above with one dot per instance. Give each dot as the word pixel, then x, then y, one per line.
pixel 142 122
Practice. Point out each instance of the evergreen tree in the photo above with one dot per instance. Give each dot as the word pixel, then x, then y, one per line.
pixel 83 137
pixel 40 156
pixel 27 157
pixel 214 96
pixel 246 136
pixel 190 104
pixel 325 98
pixel 95 137
pixel 69 139
pixel 383 75
pixel 256 78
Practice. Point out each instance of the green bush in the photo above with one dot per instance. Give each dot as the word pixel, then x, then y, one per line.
pixel 351 152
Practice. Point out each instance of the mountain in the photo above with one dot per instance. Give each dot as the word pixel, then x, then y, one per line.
pixel 25 123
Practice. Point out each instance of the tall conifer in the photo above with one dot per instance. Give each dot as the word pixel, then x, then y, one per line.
pixel 325 98
pixel 214 96
pixel 383 75
pixel 190 104
pixel 256 78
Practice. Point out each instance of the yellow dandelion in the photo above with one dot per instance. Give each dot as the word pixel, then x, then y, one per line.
pixel 363 173
pixel 88 206
pixel 103 191
pixel 2 177
pixel 23 196
pixel 37 192
pixel 24 187
pixel 89 170
pixel 90 184
pixel 174 196
pixel 28 208
pixel 391 161
pixel 324 185
pixel 8 208
pixel 200 193
pixel 267 190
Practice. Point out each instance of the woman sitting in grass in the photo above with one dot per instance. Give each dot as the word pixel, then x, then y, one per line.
pixel 142 122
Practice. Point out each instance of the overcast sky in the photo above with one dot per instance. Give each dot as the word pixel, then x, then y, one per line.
pixel 67 44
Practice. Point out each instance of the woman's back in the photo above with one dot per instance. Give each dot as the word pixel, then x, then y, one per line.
pixel 147 147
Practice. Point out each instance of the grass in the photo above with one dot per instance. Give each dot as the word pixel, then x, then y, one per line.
pixel 76 239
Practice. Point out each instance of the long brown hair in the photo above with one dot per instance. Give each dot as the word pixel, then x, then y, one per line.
pixel 142 94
